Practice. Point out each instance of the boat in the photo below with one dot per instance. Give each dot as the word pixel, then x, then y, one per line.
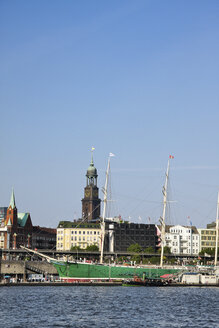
pixel 71 271
pixel 145 282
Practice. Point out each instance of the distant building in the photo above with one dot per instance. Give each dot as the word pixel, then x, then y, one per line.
pixel 3 213
pixel 43 238
pixel 16 228
pixel 207 237
pixel 91 202
pixel 211 225
pixel 119 236
pixel 182 239
pixel 77 234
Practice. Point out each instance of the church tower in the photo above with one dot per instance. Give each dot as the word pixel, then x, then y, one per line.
pixel 91 201
pixel 11 218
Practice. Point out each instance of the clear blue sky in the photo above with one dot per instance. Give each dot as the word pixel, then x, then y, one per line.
pixel 136 78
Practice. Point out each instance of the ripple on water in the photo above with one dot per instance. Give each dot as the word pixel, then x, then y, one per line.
pixel 83 307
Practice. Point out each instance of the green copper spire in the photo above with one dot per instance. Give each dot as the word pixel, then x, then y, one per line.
pixel 12 202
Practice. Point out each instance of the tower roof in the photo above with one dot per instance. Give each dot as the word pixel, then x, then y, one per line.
pixel 12 201
pixel 91 171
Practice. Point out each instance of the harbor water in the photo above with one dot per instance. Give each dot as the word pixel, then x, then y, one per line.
pixel 83 307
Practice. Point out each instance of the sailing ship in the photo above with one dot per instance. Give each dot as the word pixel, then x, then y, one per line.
pixel 70 271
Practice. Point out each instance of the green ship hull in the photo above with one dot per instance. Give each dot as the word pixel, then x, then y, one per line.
pixel 85 271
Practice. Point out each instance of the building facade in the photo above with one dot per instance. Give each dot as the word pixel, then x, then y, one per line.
pixel 16 228
pixel 77 234
pixel 207 238
pixel 182 239
pixel 43 238
pixel 119 236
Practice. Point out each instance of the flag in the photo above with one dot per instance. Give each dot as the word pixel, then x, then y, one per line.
pixel 171 156
pixel 92 148
pixel 111 155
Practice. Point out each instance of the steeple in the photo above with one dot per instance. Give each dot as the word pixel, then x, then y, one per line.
pixel 92 172
pixel 91 201
pixel 12 201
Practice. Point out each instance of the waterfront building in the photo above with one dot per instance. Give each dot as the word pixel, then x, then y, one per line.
pixel 77 234
pixel 16 228
pixel 120 235
pixel 91 202
pixel 182 239
pixel 207 238
pixel 43 238
pixel 3 213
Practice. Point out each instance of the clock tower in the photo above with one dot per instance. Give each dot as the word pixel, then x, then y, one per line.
pixel 91 201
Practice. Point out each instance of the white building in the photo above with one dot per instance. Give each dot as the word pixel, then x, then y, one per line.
pixel 182 239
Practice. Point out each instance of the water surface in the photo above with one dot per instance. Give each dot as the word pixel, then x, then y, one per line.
pixel 83 307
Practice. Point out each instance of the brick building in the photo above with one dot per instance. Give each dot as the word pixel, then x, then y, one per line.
pixel 16 228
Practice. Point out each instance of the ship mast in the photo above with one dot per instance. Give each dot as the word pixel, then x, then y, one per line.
pixel 217 227
pixel 164 212
pixel 104 208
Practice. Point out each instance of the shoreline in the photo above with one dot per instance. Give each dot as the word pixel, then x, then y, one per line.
pixel 101 284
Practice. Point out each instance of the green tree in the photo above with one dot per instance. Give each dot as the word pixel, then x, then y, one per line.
pixel 149 250
pixel 165 251
pixel 75 248
pixel 209 251
pixel 92 248
pixel 134 248
pixel 136 259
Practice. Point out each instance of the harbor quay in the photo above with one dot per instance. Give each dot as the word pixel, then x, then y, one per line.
pixel 18 266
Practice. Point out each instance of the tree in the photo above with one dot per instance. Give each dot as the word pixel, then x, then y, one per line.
pixel 166 250
pixel 92 248
pixel 149 250
pixel 134 248
pixel 75 248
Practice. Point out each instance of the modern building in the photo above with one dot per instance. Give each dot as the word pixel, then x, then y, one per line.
pixel 16 228
pixel 91 202
pixel 207 238
pixel 182 239
pixel 77 234
pixel 43 238
pixel 119 236
pixel 3 214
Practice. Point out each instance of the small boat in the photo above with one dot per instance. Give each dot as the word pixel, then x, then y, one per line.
pixel 146 282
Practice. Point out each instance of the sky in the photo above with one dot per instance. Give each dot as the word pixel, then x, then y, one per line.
pixel 137 78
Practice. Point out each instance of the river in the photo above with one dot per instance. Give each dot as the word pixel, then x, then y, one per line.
pixel 103 307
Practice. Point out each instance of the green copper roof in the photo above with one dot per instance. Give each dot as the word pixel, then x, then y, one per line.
pixel 22 219
pixel 91 171
pixel 12 201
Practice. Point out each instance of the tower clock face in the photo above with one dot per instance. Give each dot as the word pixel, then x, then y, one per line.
pixel 87 193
